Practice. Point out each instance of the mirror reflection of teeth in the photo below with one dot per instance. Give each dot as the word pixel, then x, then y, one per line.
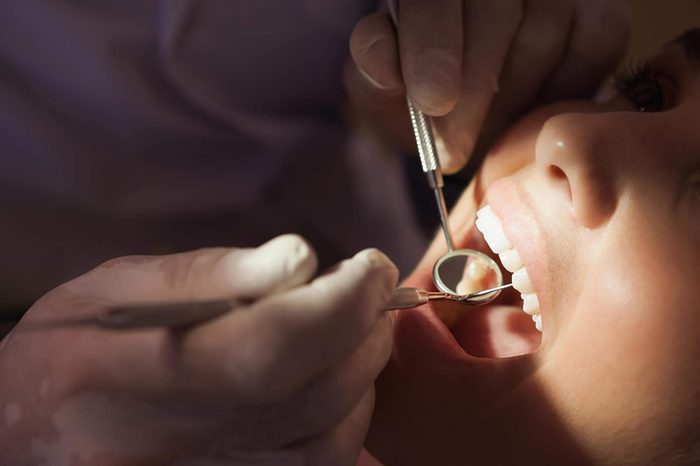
pixel 475 277
pixel 491 227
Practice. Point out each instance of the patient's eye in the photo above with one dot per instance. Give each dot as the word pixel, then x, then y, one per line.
pixel 641 85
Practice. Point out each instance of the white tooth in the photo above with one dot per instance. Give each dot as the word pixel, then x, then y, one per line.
pixel 531 304
pixel 497 240
pixel 483 227
pixel 521 281
pixel 492 229
pixel 538 321
pixel 494 236
pixel 487 219
pixel 480 223
pixel 511 260
pixel 484 211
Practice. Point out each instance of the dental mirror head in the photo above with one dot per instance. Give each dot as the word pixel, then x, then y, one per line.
pixel 466 272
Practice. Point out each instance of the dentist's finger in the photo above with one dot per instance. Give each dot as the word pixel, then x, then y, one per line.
pixel 534 54
pixel 430 46
pixel 286 418
pixel 596 43
pixel 373 79
pixel 489 30
pixel 374 50
pixel 280 342
pixel 281 263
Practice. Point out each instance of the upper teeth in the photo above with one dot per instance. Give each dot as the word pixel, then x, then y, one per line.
pixel 492 229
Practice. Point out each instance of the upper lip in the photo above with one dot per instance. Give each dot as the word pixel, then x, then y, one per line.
pixel 515 209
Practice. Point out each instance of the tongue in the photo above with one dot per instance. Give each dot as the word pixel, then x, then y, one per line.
pixel 496 331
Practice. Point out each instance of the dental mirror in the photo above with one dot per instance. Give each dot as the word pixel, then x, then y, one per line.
pixel 466 275
pixel 465 272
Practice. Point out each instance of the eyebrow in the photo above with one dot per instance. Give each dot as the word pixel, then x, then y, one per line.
pixel 690 41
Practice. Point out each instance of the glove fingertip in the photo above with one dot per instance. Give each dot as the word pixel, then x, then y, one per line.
pixel 374 258
pixel 378 261
pixel 282 263
pixel 451 158
pixel 301 260
pixel 433 81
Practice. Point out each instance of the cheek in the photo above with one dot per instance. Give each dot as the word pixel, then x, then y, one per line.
pixel 630 352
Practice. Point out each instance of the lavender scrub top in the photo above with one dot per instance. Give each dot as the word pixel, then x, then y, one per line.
pixel 145 126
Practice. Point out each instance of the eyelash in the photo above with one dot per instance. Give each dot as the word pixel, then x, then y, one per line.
pixel 641 84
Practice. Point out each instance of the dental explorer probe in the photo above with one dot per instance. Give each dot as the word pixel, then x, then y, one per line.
pixel 408 298
pixel 431 165
pixel 187 313
pixel 423 133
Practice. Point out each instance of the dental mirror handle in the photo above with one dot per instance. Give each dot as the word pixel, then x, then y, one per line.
pixel 144 316
pixel 188 313
pixel 408 298
pixel 165 314
pixel 423 132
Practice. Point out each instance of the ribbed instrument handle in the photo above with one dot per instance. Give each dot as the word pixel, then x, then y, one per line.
pixel 407 298
pixel 170 315
pixel 424 136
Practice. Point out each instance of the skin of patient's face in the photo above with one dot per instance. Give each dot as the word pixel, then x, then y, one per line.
pixel 605 213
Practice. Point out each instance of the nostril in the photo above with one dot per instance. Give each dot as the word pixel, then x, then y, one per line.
pixel 560 178
pixel 556 172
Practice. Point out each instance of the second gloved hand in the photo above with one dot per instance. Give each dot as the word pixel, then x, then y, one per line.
pixel 287 379
pixel 477 65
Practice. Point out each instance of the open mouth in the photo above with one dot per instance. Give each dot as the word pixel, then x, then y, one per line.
pixel 512 324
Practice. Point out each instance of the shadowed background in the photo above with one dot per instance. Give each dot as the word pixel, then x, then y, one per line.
pixel 654 23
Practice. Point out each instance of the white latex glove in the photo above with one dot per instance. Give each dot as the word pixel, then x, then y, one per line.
pixel 287 379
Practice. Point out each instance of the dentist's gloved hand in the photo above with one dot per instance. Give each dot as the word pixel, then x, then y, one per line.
pixel 287 379
pixel 479 64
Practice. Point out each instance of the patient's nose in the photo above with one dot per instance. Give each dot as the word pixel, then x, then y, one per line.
pixel 574 152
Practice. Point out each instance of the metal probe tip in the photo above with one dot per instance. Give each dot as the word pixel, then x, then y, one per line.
pixel 430 163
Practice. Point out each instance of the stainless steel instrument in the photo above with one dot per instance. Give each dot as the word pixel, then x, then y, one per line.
pixel 188 313
pixel 425 142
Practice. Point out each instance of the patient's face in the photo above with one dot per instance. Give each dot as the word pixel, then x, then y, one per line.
pixel 602 206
